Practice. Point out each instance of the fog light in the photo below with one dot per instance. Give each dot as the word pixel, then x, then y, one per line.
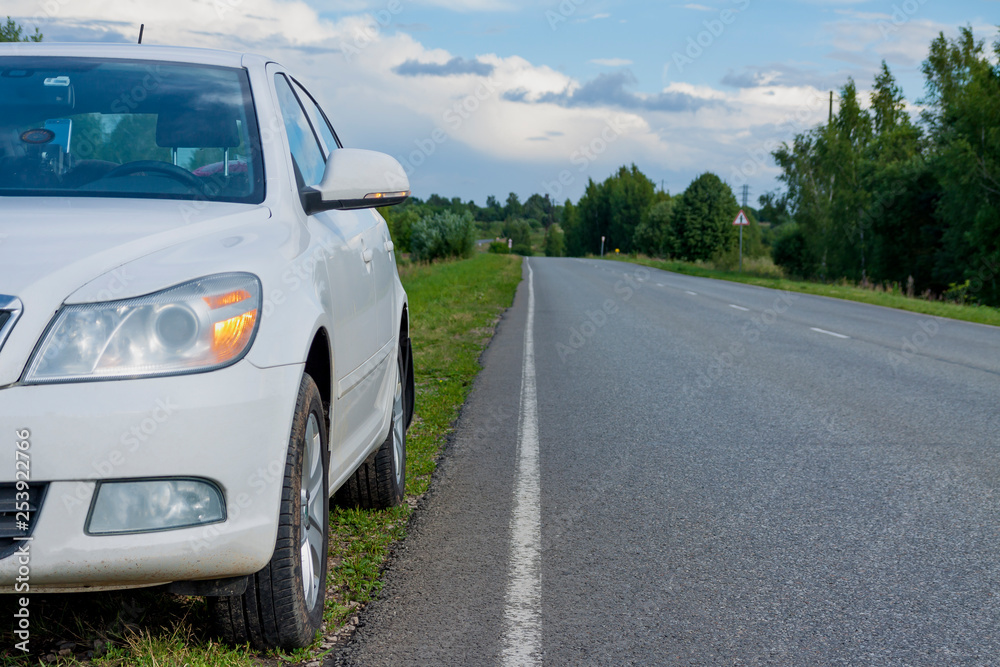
pixel 140 506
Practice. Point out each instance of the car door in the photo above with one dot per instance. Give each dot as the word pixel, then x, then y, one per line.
pixel 343 239
pixel 376 236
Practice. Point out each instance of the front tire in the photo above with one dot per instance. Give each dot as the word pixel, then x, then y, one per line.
pixel 380 482
pixel 283 603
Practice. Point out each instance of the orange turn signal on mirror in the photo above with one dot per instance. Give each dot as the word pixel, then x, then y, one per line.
pixel 383 195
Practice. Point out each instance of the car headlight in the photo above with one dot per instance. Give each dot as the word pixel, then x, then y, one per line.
pixel 196 326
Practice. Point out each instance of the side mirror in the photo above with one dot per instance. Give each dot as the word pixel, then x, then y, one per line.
pixel 356 178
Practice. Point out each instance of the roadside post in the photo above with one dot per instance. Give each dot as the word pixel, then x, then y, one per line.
pixel 602 246
pixel 741 221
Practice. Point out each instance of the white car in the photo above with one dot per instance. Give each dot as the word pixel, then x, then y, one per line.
pixel 203 336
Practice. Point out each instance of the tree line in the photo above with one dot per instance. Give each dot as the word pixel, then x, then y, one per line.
pixel 873 195
pixel 877 197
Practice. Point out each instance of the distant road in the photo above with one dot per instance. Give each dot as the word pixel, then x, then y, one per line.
pixel 726 475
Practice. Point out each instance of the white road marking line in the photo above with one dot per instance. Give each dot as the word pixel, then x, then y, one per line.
pixel 828 333
pixel 522 641
pixel 690 292
pixel 745 310
pixel 660 285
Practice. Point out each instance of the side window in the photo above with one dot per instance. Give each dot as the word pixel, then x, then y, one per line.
pixel 306 153
pixel 317 117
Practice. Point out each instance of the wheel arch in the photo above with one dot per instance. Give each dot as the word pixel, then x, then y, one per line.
pixel 319 366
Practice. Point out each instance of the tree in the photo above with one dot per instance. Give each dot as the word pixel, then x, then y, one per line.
pixel 963 104
pixel 493 211
pixel 791 252
pixel 651 234
pixel 570 225
pixel 701 222
pixel 11 31
pixel 539 209
pixel 773 208
pixel 513 209
pixel 850 137
pixel 612 209
pixel 630 194
pixel 519 232
pixel 593 216
pixel 554 242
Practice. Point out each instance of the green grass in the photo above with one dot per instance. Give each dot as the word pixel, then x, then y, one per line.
pixel 881 297
pixel 454 307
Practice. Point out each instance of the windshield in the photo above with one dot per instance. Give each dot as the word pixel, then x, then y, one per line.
pixel 118 128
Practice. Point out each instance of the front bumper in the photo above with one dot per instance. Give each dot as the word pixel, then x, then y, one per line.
pixel 230 426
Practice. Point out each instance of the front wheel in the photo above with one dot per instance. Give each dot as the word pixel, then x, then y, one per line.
pixel 283 603
pixel 380 482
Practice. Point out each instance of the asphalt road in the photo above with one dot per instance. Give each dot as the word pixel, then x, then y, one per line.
pixel 729 475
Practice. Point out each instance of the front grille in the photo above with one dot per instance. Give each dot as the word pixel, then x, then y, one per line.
pixel 13 526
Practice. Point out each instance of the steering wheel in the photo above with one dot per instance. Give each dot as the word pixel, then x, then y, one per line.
pixel 167 169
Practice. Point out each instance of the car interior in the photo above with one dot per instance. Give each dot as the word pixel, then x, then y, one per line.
pixel 127 130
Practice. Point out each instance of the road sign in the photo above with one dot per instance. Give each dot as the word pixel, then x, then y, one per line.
pixel 741 219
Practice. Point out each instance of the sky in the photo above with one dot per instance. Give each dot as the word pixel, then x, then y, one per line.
pixel 487 97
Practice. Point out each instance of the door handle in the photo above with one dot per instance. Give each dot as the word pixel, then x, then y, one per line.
pixel 389 246
pixel 367 255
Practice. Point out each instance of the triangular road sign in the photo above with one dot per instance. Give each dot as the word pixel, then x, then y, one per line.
pixel 741 219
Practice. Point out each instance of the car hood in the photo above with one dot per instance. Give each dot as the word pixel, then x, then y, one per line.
pixel 62 244
pixel 54 251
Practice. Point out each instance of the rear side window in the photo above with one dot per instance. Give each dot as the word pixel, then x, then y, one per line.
pixel 307 157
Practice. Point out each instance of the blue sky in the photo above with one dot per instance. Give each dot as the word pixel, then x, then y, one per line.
pixel 480 97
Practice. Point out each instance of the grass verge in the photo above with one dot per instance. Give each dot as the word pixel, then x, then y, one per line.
pixel 967 313
pixel 454 307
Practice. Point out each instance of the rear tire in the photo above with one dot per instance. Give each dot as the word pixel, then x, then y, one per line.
pixel 380 482
pixel 283 603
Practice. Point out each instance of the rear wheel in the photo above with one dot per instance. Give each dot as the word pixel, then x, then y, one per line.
pixel 283 603
pixel 380 481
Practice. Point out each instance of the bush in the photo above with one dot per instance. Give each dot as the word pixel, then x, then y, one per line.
pixel 520 233
pixel 499 248
pixel 442 235
pixel 791 252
